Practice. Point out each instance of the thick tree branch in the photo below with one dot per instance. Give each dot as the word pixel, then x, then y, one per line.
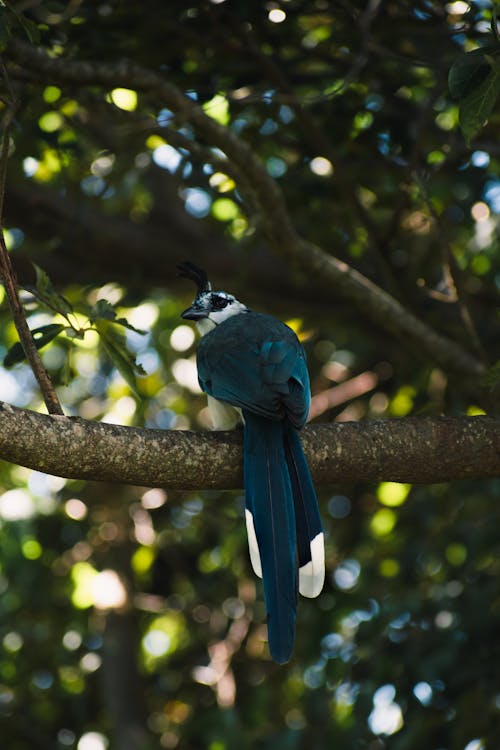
pixel 412 450
pixel 267 197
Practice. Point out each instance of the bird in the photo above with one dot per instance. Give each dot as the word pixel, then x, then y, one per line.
pixel 253 369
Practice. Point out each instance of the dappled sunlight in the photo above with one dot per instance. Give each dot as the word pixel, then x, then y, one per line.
pixel 386 717
pixel 186 374
pixel 92 741
pixel 334 165
pixel 108 591
pixel 182 338
pixel 16 505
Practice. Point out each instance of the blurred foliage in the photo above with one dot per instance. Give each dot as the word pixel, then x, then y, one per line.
pixel 348 106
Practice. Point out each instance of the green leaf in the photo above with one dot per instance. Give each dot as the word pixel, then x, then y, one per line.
pixel 44 291
pixel 41 336
pixel 30 28
pixel 114 346
pixel 10 18
pixel 474 79
pixel 470 70
pixel 476 107
pixel 104 310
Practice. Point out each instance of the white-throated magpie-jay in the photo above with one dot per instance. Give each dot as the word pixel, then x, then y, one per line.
pixel 254 363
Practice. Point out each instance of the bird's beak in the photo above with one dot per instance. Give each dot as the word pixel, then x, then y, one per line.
pixel 195 312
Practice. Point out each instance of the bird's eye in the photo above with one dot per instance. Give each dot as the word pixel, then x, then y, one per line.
pixel 217 302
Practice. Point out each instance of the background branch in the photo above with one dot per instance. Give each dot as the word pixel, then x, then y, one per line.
pixel 266 195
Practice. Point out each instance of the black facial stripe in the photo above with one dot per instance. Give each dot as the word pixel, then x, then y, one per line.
pixel 217 302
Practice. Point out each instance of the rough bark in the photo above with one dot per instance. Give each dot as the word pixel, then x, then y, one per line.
pixel 416 450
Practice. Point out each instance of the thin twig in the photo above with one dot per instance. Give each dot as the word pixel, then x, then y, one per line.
pixel 10 110
pixel 8 274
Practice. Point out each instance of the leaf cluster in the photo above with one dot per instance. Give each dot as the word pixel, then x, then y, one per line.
pixel 474 80
pixel 14 22
pixel 101 318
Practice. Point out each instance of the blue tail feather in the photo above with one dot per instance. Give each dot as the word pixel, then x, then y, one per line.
pixel 269 499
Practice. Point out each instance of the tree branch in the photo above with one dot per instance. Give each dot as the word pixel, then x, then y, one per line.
pixel 266 195
pixel 415 450
pixel 42 376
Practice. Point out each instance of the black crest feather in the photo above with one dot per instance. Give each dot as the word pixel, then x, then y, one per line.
pixel 188 270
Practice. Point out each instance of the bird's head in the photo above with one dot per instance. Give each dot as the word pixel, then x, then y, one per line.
pixel 209 308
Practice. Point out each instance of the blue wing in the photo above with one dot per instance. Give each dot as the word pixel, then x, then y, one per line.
pixel 255 362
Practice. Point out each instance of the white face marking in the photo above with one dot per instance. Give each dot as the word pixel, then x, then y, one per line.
pixel 233 307
pixel 216 316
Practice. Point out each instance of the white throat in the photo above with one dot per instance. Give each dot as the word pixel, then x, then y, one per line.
pixel 204 325
pixel 216 317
